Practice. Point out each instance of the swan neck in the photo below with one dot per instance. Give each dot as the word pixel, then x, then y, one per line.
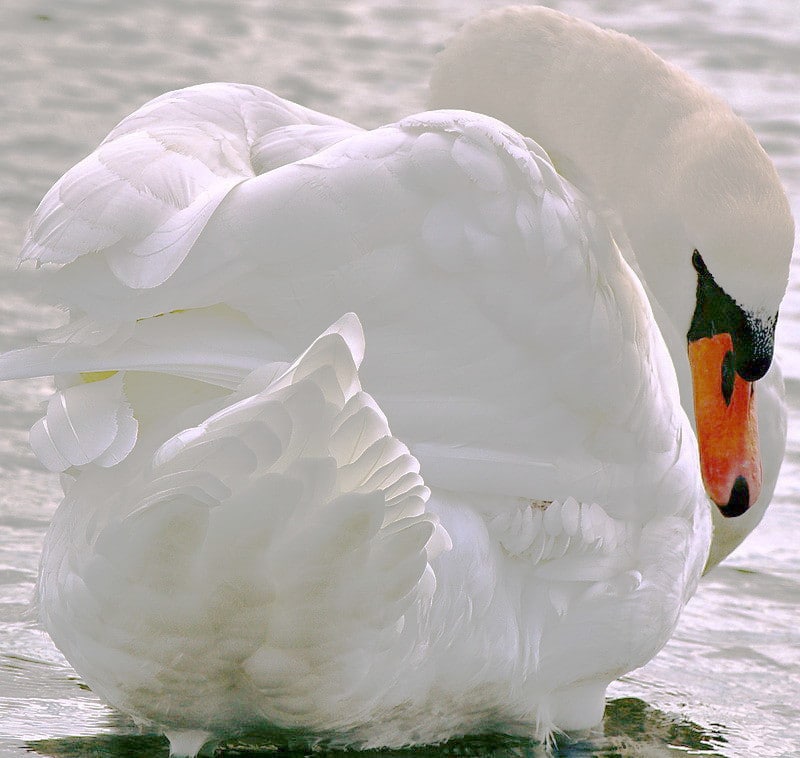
pixel 598 101
pixel 642 139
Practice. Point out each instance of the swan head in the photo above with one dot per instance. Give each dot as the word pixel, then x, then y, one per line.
pixel 692 198
pixel 737 223
pixel 715 256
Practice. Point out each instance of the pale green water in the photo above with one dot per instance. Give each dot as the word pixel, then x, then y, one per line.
pixel 729 682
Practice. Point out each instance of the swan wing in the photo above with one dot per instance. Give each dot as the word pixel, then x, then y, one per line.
pixel 511 346
pixel 284 538
pixel 142 198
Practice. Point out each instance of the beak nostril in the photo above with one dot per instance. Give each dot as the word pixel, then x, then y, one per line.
pixel 728 377
pixel 739 500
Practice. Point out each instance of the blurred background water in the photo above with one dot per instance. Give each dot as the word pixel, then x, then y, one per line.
pixel 729 682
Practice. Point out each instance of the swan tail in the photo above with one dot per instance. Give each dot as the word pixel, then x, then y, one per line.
pixel 282 545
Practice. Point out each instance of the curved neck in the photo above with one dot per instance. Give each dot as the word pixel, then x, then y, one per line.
pixel 638 135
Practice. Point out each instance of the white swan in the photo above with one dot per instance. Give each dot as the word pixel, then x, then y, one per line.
pixel 242 538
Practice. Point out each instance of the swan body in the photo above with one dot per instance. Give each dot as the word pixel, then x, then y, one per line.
pixel 467 504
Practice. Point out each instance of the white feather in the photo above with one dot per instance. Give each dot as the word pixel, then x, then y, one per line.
pixel 83 424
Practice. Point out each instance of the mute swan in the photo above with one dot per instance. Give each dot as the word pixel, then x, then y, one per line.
pixel 511 513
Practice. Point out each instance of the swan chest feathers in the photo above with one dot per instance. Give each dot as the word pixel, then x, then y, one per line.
pixel 467 504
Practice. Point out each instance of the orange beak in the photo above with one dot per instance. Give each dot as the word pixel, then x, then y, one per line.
pixel 727 429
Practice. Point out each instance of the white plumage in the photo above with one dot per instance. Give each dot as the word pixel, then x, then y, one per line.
pixel 507 516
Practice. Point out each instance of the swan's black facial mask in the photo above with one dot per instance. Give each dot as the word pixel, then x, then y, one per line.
pixel 716 312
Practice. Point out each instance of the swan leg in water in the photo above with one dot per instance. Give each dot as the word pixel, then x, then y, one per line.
pixel 188 743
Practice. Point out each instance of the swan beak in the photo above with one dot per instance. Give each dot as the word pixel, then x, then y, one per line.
pixel 727 429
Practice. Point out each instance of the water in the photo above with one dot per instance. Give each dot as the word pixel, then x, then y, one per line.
pixel 729 682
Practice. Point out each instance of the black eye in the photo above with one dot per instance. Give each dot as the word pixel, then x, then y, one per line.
pixel 728 376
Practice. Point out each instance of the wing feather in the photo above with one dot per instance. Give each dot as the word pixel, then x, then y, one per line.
pixel 141 200
pixel 288 529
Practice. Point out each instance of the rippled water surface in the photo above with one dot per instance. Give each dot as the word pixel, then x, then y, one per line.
pixel 729 682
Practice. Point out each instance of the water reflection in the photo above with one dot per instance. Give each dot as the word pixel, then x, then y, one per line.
pixel 631 728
